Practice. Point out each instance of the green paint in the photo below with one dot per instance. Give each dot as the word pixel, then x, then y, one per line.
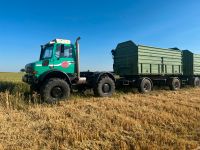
pixel 54 57
pixel 191 63
pixel 132 59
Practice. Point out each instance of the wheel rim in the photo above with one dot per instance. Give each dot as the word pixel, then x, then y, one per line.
pixel 197 83
pixel 57 92
pixel 106 88
pixel 177 85
pixel 146 87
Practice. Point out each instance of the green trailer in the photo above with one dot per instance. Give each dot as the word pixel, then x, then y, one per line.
pixel 131 59
pixel 145 66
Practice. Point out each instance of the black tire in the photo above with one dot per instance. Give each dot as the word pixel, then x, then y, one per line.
pixel 54 90
pixel 195 82
pixel 105 87
pixel 174 84
pixel 145 86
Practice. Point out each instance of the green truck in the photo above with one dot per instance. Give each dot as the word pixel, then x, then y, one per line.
pixel 57 72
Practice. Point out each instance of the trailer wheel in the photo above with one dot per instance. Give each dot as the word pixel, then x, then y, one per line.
pixel 195 82
pixel 55 89
pixel 174 84
pixel 145 86
pixel 105 87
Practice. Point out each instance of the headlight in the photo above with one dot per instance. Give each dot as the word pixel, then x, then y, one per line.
pixel 29 69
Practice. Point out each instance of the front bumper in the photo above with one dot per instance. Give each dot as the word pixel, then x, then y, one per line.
pixel 30 79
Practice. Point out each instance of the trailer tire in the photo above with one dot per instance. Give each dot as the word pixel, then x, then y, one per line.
pixel 145 85
pixel 54 90
pixel 105 87
pixel 195 82
pixel 174 84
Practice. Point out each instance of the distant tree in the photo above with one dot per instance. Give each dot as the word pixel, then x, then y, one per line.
pixel 22 70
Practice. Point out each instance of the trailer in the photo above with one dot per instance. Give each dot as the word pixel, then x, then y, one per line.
pixel 57 73
pixel 144 66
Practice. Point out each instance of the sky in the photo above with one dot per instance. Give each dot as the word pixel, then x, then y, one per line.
pixel 101 24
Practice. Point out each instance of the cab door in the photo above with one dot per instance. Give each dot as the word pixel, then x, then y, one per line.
pixel 46 59
pixel 64 58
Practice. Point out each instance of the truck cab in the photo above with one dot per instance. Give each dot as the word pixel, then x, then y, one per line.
pixel 57 73
pixel 58 54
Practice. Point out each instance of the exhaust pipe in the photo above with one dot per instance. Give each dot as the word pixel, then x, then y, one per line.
pixel 77 58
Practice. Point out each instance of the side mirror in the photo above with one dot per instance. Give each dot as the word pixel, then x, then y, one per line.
pixel 22 70
pixel 113 52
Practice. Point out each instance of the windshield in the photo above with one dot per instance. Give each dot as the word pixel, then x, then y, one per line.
pixel 46 52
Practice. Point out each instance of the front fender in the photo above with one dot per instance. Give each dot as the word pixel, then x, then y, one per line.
pixel 54 74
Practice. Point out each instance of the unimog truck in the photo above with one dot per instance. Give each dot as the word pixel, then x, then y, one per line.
pixel 57 72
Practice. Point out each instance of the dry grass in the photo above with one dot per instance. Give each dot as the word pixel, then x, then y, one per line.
pixel 11 76
pixel 159 120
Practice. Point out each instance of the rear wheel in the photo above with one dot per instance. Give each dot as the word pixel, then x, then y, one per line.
pixel 195 82
pixel 174 84
pixel 145 86
pixel 54 90
pixel 105 87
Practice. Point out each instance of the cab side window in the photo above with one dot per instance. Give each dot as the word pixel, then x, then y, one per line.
pixel 63 51
pixel 66 52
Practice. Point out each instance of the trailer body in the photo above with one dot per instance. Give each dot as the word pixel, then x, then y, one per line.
pixel 131 60
pixel 146 66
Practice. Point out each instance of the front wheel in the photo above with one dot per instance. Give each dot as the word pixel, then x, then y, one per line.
pixel 54 90
pixel 105 87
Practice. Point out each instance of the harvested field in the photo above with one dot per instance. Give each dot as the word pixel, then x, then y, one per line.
pixel 160 120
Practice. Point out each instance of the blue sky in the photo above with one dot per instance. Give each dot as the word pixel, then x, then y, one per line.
pixel 25 25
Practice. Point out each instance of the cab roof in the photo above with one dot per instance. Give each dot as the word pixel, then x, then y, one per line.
pixel 60 41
